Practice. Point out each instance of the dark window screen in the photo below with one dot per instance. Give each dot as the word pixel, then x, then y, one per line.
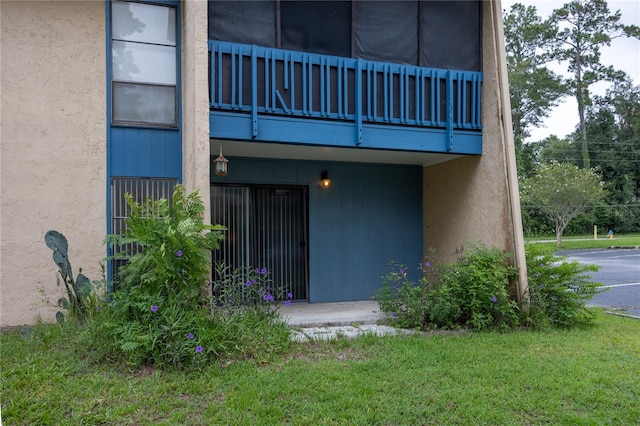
pixel 322 27
pixel 387 31
pixel 246 22
pixel 451 35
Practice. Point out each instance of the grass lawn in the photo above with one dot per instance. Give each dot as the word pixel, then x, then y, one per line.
pixel 587 375
pixel 586 241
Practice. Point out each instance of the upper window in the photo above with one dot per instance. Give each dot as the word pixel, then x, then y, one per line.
pixel 143 64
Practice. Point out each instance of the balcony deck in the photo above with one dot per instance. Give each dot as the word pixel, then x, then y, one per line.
pixel 271 95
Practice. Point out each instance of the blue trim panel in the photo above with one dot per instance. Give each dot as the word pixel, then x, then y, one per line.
pixel 235 126
pixel 142 151
pixel 348 99
pixel 371 214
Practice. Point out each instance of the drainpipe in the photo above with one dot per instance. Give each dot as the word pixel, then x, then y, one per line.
pixel 504 105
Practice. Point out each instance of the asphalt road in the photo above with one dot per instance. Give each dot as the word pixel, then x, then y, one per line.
pixel 619 272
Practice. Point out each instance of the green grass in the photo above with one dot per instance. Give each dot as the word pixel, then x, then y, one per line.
pixel 587 375
pixel 586 241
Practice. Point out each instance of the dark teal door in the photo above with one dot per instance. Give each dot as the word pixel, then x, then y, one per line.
pixel 267 228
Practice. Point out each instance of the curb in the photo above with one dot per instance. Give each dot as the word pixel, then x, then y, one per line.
pixel 619 314
pixel 623 247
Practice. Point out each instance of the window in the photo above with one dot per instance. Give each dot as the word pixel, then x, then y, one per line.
pixel 143 64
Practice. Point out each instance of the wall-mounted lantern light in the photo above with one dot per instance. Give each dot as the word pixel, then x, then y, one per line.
pixel 220 164
pixel 325 182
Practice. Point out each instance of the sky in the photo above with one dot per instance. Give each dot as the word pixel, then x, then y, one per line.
pixel 623 54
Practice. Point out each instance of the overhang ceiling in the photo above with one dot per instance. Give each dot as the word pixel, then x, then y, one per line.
pixel 310 152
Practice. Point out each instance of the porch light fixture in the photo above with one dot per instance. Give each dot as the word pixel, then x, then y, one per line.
pixel 325 182
pixel 220 164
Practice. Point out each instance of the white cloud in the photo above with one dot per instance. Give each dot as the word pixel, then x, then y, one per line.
pixel 623 54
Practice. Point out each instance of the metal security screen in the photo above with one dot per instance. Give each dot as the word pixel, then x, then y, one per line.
pixel 267 227
pixel 140 189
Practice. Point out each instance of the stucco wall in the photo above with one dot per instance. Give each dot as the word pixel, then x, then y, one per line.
pixel 195 100
pixel 53 147
pixel 468 200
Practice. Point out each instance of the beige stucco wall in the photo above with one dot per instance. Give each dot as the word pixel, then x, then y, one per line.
pixel 475 199
pixel 195 100
pixel 53 144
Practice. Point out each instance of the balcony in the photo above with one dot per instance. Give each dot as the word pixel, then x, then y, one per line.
pixel 271 95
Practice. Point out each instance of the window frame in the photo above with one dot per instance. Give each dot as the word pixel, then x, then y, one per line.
pixel 175 124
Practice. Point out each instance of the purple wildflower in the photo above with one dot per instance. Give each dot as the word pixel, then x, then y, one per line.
pixel 427 264
pixel 198 348
pixel 401 271
pixel 154 308
pixel 494 299
pixel 179 253
pixel 287 303
pixel 257 270
pixel 268 297
pixel 290 295
pixel 97 308
pixel 248 283
pixel 190 336
pixel 393 314
pixel 253 281
pixel 209 283
pixel 542 265
pixel 263 271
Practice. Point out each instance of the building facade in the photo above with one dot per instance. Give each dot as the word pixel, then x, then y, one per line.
pixel 402 105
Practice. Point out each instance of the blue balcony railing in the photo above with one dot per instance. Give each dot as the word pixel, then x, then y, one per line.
pixel 264 81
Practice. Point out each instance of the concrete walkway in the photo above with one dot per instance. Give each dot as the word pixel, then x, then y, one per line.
pixel 324 321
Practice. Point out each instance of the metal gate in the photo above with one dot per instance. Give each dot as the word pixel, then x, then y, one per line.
pixel 267 228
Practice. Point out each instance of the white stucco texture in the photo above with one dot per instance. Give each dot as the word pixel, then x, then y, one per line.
pixel 53 150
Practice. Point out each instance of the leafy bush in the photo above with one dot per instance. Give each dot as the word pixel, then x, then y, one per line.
pixel 558 289
pixel 161 311
pixel 470 293
pixel 473 292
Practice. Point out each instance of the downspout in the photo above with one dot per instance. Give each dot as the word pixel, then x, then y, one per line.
pixel 504 107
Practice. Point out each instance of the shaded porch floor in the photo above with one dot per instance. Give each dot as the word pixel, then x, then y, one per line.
pixel 332 314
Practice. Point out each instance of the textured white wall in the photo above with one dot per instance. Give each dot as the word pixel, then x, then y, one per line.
pixel 53 150
pixel 468 200
pixel 195 101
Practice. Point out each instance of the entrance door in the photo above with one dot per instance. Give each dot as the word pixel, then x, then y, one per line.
pixel 267 228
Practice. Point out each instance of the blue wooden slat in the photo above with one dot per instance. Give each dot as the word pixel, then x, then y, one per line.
pixel 304 84
pixel 401 90
pixel 267 94
pixel 449 94
pixel 358 102
pixel 219 77
pixel 339 76
pixel 323 62
pixel 254 92
pixel 386 93
pixel 345 71
pixel 212 81
pixel 310 83
pixel 273 83
pixel 241 78
pixel 293 88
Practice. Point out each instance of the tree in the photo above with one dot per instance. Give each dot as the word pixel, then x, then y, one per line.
pixel 562 191
pixel 613 129
pixel 587 25
pixel 534 88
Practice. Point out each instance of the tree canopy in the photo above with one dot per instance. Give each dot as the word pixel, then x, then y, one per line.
pixel 562 191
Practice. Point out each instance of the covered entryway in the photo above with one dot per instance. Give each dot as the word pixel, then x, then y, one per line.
pixel 267 228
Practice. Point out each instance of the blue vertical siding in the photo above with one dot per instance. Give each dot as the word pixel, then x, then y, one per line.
pixel 371 214
pixel 140 152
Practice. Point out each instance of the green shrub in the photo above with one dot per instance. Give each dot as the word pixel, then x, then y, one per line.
pixel 470 293
pixel 558 289
pixel 161 311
